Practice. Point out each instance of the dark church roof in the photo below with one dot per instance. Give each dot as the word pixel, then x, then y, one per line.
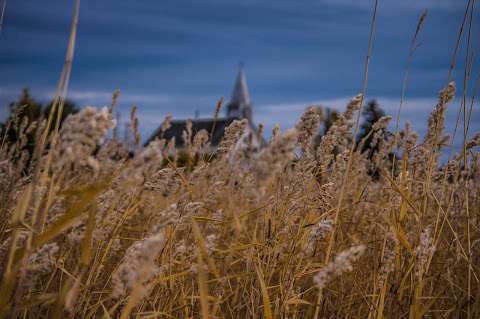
pixel 178 126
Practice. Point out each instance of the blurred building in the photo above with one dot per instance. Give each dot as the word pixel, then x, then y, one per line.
pixel 239 107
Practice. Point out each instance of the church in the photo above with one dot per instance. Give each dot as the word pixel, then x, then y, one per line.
pixel 239 107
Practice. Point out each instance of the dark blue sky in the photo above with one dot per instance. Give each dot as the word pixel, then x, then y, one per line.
pixel 176 56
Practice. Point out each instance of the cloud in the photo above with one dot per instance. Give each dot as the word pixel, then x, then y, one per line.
pixel 84 97
pixel 410 4
pixel 443 4
pixel 125 97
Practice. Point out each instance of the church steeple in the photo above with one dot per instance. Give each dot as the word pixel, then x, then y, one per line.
pixel 239 105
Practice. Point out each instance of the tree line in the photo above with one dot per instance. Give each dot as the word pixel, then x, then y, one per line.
pixel 27 110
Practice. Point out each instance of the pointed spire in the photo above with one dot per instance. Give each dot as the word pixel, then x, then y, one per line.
pixel 240 93
pixel 239 105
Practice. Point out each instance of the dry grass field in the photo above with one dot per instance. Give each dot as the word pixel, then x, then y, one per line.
pixel 91 229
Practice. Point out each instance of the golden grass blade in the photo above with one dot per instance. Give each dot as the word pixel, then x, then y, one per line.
pixel 106 315
pixel 267 311
pixel 203 249
pixel 381 301
pixel 71 217
pixel 298 301
pixel 6 290
pixel 22 205
pixel 404 196
pixel 201 276
pixel 203 288
pixel 87 240
pixel 402 238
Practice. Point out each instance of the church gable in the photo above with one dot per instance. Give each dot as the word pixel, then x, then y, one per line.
pixel 214 128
